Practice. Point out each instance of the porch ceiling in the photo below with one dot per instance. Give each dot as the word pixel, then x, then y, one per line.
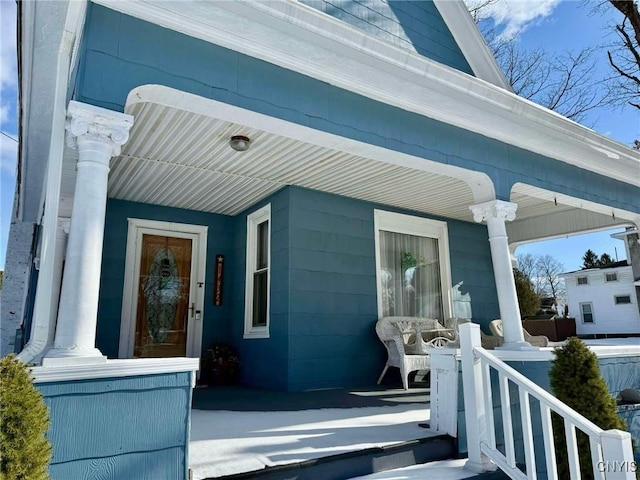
pixel 182 159
pixel 545 214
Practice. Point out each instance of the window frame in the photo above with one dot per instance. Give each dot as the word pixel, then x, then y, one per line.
pixel 614 274
pixel 421 227
pixel 586 280
pixel 616 297
pixel 253 221
pixel 593 318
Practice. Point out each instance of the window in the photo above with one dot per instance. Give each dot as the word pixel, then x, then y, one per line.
pixel 622 299
pixel 412 256
pixel 611 277
pixel 586 309
pixel 256 318
pixel 583 281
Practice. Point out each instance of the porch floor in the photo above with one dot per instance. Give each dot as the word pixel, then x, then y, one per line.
pixel 242 429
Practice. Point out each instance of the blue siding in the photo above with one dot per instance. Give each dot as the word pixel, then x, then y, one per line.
pixel 126 427
pixel 323 286
pixel 333 288
pixel 217 319
pixel 153 55
pixel 412 25
pixel 265 361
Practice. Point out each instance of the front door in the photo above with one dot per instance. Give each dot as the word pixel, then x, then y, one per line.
pixel 163 295
pixel 164 286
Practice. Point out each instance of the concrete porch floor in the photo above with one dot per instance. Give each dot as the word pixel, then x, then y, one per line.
pixel 238 429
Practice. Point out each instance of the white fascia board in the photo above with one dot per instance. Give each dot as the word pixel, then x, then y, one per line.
pixel 46 28
pixel 302 39
pixel 115 369
pixel 471 42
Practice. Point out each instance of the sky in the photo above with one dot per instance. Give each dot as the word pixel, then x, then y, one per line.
pixel 553 24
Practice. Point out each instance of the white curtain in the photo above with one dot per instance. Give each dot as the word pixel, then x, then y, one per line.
pixel 410 276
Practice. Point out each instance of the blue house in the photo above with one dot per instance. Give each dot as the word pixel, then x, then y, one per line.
pixel 262 174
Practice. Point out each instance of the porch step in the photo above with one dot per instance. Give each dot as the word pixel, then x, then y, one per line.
pixel 353 464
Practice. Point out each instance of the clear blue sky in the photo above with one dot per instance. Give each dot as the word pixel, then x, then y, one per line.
pixel 554 25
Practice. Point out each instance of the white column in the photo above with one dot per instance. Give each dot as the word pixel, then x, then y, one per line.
pixel 496 213
pixel 98 134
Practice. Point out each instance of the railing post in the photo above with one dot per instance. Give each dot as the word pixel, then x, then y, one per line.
pixel 444 391
pixel 617 455
pixel 474 406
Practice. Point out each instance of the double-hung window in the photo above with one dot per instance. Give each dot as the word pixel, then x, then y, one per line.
pixel 586 310
pixel 611 277
pixel 256 324
pixel 412 256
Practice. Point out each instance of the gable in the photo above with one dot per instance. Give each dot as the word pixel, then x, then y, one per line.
pixel 413 25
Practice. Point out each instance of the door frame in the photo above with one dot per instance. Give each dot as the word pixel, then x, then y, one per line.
pixel 198 235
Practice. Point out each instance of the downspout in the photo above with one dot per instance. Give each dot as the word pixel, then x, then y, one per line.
pixel 46 301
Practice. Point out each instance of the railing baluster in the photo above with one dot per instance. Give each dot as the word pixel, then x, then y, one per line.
pixel 527 434
pixel 611 451
pixel 572 450
pixel 549 444
pixel 507 423
pixel 488 401
pixel 596 458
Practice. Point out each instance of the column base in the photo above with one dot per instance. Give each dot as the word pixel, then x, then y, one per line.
pixel 516 346
pixel 72 356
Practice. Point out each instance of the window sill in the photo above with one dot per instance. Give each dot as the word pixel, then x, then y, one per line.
pixel 249 335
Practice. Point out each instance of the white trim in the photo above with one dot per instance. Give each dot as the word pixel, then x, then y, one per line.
pixel 622 295
pixel 253 220
pixel 593 317
pixel 44 312
pixel 297 37
pixel 198 234
pixel 471 42
pixel 545 354
pixel 420 227
pixel 115 369
pixel 613 274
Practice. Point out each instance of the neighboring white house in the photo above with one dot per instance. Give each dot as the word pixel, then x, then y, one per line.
pixel 604 300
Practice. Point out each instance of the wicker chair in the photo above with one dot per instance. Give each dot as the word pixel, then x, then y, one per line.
pixel 407 340
pixel 535 340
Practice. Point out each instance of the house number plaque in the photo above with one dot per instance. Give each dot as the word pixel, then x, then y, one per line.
pixel 218 280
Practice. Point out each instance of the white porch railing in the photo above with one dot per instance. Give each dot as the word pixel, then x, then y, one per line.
pixel 612 451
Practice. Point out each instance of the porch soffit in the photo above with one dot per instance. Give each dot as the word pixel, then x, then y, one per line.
pixel 182 159
pixel 299 38
pixel 543 214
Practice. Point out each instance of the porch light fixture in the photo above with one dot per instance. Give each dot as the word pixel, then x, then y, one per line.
pixel 240 143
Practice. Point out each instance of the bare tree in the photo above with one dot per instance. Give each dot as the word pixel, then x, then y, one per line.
pixel 528 265
pixel 549 269
pixel 624 55
pixel 562 83
pixel 544 271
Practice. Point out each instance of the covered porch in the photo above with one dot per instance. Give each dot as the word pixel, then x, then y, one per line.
pixel 177 173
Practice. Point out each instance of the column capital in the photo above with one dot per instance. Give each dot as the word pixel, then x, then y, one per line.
pixel 100 124
pixel 506 211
